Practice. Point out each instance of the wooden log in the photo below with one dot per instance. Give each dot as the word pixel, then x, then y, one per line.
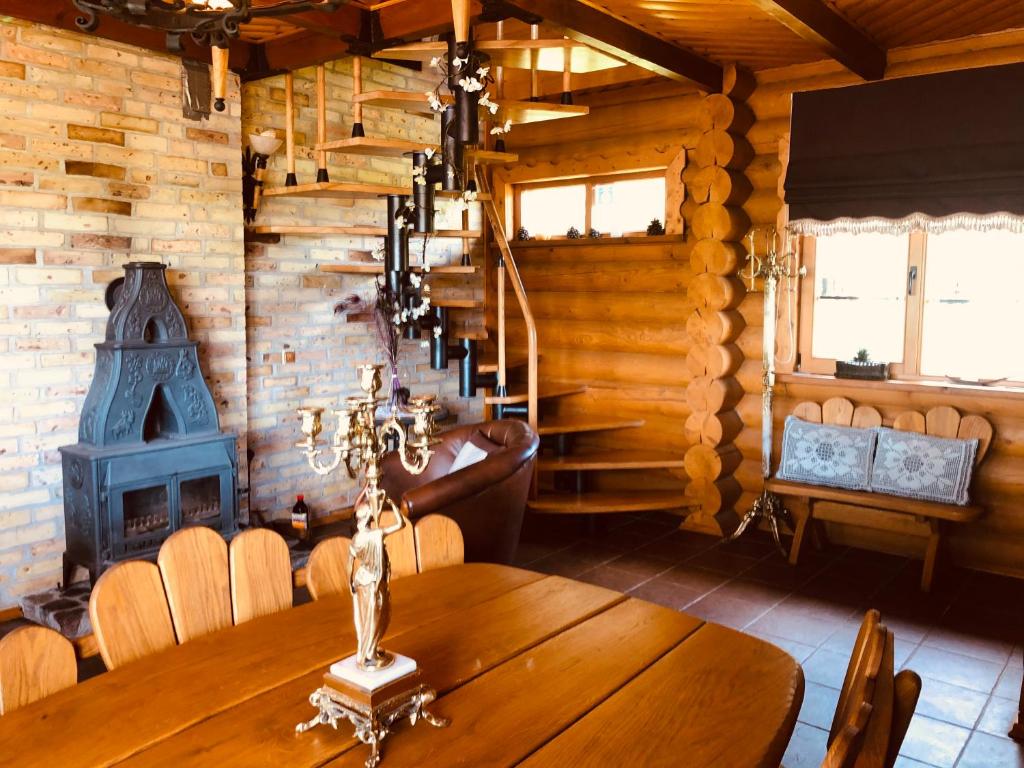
pixel 764 171
pixel 764 136
pixel 723 149
pixel 707 395
pixel 717 257
pixel 713 428
pixel 719 112
pixel 720 222
pixel 716 292
pixel 738 82
pixel 714 184
pixel 762 208
pixel 714 360
pixel 711 462
pixel 709 326
pixel 713 496
pixel 750 374
pixel 675 194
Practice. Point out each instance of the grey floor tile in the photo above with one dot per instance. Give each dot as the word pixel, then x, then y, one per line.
pixel 806 748
pixel 999 716
pixel 986 751
pixel 934 742
pixel 950 703
pixel 953 668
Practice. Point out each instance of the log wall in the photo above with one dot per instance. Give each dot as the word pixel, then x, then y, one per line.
pixel 996 542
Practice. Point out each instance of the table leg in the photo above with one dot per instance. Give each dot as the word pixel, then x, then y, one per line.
pixel 1017 731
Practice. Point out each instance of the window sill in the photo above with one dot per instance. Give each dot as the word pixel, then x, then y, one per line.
pixel 900 385
pixel 591 241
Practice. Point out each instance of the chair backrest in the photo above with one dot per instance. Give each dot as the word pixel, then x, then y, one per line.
pixel 438 542
pixel 261 574
pixel 865 635
pixel 194 566
pixel 34 662
pixel 327 569
pixel 401 548
pixel 129 613
pixel 845 749
pixel 907 690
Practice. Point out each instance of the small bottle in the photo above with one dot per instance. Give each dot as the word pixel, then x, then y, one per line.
pixel 300 517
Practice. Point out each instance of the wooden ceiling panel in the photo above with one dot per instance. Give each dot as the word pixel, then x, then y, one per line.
pixel 722 30
pixel 894 23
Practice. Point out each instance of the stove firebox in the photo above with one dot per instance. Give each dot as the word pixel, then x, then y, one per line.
pixel 150 457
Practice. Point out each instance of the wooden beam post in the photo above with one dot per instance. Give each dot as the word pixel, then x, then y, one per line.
pixel 321 123
pixel 289 127
pixel 818 23
pixel 617 38
pixel 357 89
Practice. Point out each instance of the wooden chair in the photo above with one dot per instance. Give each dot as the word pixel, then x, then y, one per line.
pixel 907 690
pixel 194 566
pixel 261 574
pixel 34 662
pixel 438 543
pixel 401 548
pixel 920 518
pixel 326 571
pixel 844 751
pixel 129 613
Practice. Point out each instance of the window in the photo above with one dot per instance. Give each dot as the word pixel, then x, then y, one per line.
pixel 613 205
pixel 935 306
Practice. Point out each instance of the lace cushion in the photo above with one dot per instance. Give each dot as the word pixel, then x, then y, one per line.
pixel 825 454
pixel 923 467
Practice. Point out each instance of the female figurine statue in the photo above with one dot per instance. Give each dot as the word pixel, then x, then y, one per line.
pixel 369 573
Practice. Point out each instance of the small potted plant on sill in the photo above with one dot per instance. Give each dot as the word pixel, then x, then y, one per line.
pixel 862 367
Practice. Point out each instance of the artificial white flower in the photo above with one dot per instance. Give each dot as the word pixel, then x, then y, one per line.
pixel 498 130
pixel 470 84
pixel 483 72
pixel 485 101
pixel 469 195
pixel 415 280
pixel 410 205
pixel 397 319
pixel 434 102
pixel 419 176
pixel 426 267
pixel 457 62
pixel 437 331
pixel 435 61
pixel 424 345
pixel 429 152
pixel 425 304
pixel 378 253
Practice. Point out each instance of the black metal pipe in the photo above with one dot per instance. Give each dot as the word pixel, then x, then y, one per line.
pixel 396 265
pixel 439 342
pixel 467 369
pixel 466 102
pixel 410 302
pixel 423 194
pixel 451 150
pixel 357 131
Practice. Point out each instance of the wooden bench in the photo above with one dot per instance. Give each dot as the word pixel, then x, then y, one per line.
pixel 924 519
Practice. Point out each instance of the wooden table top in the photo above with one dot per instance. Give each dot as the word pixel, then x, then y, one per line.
pixel 533 670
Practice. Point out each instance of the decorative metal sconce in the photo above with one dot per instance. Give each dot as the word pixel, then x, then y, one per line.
pixel 771 266
pixel 254 165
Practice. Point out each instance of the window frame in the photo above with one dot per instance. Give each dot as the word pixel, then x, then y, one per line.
pixel 589 182
pixel 907 369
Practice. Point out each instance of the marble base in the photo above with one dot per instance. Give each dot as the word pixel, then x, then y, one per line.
pixel 349 671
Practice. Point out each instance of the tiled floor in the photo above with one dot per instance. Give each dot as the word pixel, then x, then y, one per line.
pixel 963 639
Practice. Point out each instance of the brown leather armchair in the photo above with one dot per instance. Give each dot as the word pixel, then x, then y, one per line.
pixel 486 499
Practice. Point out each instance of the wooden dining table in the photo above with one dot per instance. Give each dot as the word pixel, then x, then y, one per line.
pixel 532 670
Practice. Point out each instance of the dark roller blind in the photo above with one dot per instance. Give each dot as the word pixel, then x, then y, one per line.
pixel 934 144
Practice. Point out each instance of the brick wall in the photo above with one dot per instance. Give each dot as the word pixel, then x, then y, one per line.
pixel 300 352
pixel 98 167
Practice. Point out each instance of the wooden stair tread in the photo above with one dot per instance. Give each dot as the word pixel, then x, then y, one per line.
pixel 475 332
pixel 483 156
pixel 453 194
pixel 612 459
pixel 570 425
pixel 373 268
pixel 516 54
pixel 489 364
pixel 455 303
pixel 374 146
pixel 607 501
pixel 346 190
pixel 554 390
pixel 365 231
pixel 410 101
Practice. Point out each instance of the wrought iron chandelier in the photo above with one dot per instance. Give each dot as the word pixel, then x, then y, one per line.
pixel 209 22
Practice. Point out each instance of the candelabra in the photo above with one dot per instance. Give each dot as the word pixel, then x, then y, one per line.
pixel 772 267
pixel 372 689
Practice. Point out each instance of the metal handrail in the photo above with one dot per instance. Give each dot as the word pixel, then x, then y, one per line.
pixel 524 304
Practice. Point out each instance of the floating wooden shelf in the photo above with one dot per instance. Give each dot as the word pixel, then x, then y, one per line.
pixel 601 460
pixel 485 156
pixel 374 146
pixel 569 426
pixel 548 392
pixel 517 54
pixel 295 229
pixel 343 190
pixel 368 268
pixel 600 502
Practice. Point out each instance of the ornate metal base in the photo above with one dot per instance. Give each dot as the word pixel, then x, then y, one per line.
pixel 372 718
pixel 768 507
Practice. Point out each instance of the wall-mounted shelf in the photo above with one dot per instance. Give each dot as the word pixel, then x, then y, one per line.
pixel 367 268
pixel 295 229
pixel 545 55
pixel 341 190
pixel 486 156
pixel 374 146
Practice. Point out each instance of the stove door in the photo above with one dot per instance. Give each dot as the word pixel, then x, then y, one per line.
pixel 140 516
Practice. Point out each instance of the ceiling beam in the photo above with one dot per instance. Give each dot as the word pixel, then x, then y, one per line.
pixel 819 24
pixel 617 38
